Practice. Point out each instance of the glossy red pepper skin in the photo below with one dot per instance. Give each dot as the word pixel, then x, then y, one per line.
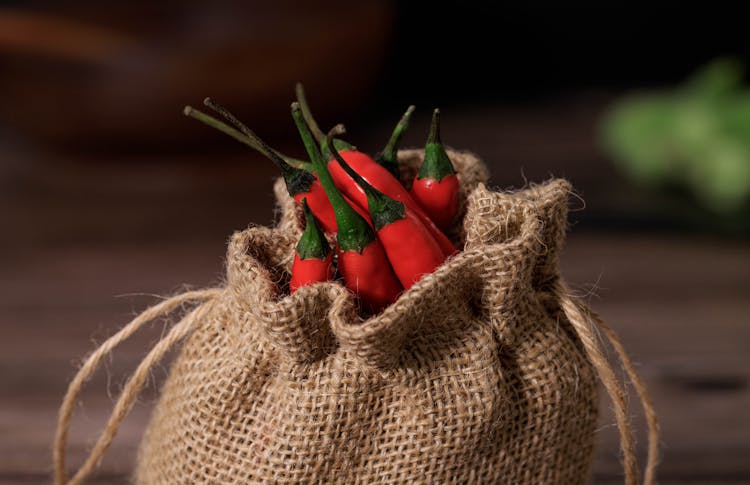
pixel 310 270
pixel 319 205
pixel 370 277
pixel 411 249
pixel 436 185
pixel 380 178
pixel 300 181
pixel 322 208
pixel 438 199
pixel 362 261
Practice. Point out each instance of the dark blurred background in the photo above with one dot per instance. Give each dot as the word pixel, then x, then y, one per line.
pixel 108 194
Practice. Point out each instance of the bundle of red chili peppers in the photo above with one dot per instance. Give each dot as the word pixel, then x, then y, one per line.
pixel 387 237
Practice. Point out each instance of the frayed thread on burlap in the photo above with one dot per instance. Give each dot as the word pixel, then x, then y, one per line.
pixel 484 371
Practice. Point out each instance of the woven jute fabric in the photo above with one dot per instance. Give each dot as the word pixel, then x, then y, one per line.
pixel 469 376
pixel 475 375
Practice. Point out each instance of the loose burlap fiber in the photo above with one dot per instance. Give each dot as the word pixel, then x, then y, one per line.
pixel 477 374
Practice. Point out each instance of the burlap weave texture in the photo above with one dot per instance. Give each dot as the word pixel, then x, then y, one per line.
pixel 473 376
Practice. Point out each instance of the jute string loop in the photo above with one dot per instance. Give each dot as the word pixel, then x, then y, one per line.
pixel 135 383
pixel 586 323
pixel 275 388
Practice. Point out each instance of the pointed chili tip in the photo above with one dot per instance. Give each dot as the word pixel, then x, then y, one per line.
pixel 434 136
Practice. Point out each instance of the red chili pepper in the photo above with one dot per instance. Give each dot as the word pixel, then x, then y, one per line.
pixel 388 158
pixel 313 258
pixel 382 180
pixel 435 187
pixel 410 247
pixel 362 260
pixel 300 182
pixel 378 176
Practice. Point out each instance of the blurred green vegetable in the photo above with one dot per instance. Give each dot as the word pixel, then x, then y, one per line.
pixel 697 136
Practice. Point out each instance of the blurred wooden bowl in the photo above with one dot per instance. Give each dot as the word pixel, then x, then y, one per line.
pixel 84 78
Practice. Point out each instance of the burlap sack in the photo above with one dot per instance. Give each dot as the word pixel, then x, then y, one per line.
pixel 483 372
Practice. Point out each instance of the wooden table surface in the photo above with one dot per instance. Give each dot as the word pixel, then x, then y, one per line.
pixel 87 245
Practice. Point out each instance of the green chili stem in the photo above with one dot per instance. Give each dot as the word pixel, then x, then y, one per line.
pixel 331 148
pixel 434 136
pixel 237 135
pixel 312 243
pixel 390 152
pixel 383 209
pixel 307 114
pixel 437 164
pixel 263 147
pixel 353 231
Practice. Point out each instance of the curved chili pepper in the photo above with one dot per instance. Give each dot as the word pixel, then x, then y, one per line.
pixel 435 186
pixel 313 258
pixel 362 260
pixel 410 247
pixel 381 179
pixel 377 175
pixel 388 158
pixel 300 182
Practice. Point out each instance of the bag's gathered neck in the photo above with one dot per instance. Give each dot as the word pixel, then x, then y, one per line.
pixel 255 267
